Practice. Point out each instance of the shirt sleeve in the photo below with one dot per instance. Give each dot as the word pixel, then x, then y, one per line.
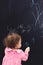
pixel 24 56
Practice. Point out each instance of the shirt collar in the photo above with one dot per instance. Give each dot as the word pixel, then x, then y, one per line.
pixel 9 49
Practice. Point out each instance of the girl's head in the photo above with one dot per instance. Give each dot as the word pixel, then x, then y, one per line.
pixel 13 41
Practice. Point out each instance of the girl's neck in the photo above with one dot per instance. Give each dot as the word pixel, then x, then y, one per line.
pixel 14 48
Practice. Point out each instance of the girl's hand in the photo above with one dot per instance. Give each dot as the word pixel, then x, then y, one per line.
pixel 27 49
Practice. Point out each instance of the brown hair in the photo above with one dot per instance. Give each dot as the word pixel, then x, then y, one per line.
pixel 11 40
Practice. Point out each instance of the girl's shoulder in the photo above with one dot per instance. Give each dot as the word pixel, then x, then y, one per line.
pixel 19 50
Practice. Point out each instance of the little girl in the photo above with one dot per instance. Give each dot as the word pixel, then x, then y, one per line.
pixel 13 54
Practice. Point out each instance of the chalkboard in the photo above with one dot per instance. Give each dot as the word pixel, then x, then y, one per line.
pixel 24 17
pixel 37 13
